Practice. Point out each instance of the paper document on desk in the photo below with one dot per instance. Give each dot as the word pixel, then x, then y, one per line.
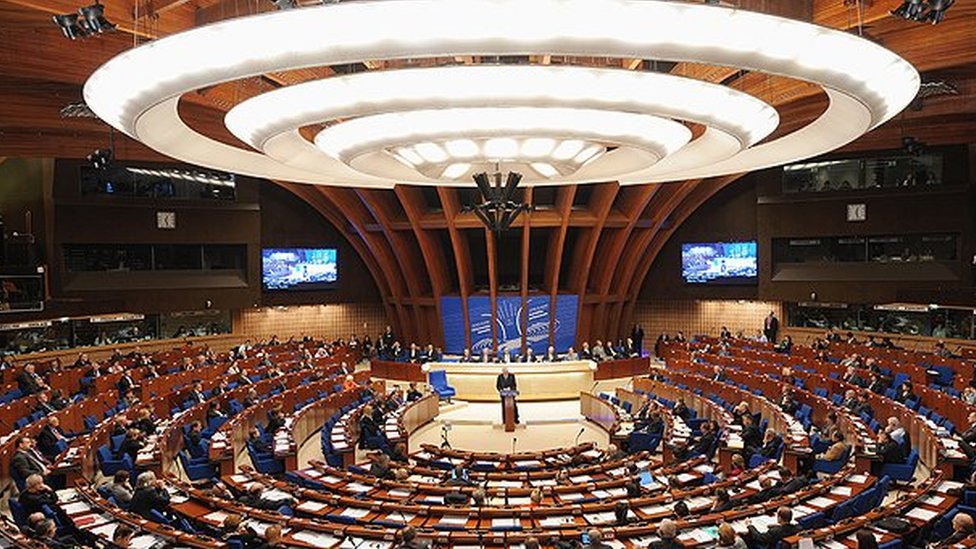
pixel 520 500
pixel 505 483
pixel 763 522
pixel 311 506
pixel 105 530
pixel 353 512
pixel 857 479
pixel 358 487
pixel 932 500
pixel 699 535
pixel 801 511
pixel 360 543
pixel 579 479
pixel 686 477
pixel 922 514
pixel 841 491
pixel 505 522
pixel 553 522
pixel 454 520
pixel 543 482
pixel 947 485
pixel 240 479
pixel 259 527
pixel 276 495
pixel 655 509
pixel 402 518
pixel 144 542
pixel 215 517
pixel 821 502
pixel 77 508
pixel 66 495
pixel 600 518
pixel 399 493
pixel 315 539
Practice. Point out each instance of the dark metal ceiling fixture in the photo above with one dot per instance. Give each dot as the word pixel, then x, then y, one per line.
pixel 923 11
pixel 88 21
pixel 498 209
pixel 101 159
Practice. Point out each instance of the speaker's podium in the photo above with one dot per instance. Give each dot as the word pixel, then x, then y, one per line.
pixel 508 408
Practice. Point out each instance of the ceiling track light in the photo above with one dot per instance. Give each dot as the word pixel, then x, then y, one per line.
pixel 88 21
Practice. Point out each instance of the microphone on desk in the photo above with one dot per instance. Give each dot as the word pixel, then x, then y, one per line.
pixel 578 435
pixel 514 440
pixel 593 388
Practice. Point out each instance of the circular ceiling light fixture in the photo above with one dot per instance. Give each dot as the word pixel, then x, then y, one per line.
pixel 700 129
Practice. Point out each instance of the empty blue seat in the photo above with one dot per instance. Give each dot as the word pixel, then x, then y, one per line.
pixel 438 380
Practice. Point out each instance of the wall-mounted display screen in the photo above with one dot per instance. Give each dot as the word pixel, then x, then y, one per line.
pixel 299 269
pixel 719 262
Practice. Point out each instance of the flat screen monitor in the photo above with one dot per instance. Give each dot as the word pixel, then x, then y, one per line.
pixel 719 262
pixel 299 269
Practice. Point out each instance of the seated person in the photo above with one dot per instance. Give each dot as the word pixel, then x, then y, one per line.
pixel 771 444
pixel 233 529
pixel 836 449
pixel 788 483
pixel 889 450
pixel 413 393
pixel 751 438
pixel 459 477
pixel 49 437
pixel 254 497
pixel 150 495
pixel 37 495
pixel 43 406
pixel 408 539
pixel 723 501
pixel 681 409
pixel 276 420
pixel 272 537
pixel 380 466
pixel 787 403
pixel 257 442
pixel 962 528
pixel 122 537
pixel 466 356
pixel 121 489
pixel 668 532
pixel 905 392
pixel 550 355
pixel 27 461
pixel 596 540
pixel 783 528
pixel 132 443
pixel 349 383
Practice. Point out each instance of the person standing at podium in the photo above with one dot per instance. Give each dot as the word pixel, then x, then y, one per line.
pixel 506 380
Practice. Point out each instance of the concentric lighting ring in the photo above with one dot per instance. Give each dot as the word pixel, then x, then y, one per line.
pixel 657 136
pixel 137 92
pixel 259 118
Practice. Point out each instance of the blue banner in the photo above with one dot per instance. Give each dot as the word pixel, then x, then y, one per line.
pixel 564 325
pixel 508 323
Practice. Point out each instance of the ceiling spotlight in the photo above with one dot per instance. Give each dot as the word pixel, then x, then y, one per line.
pixel 937 11
pixel 71 26
pixel 910 9
pixel 94 16
pixel 100 158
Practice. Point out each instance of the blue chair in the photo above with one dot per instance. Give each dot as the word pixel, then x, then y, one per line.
pixel 843 511
pixel 640 442
pixel 108 464
pixel 832 467
pixel 812 521
pixel 902 472
pixel 438 380
pixel 196 470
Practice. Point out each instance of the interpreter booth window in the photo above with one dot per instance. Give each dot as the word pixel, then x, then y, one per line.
pixel 893 319
pixel 35 337
pixel 883 172
pixel 194 323
pixel 114 329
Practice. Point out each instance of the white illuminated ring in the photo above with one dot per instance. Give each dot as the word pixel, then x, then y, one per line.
pixel 259 118
pixel 138 91
pixel 349 141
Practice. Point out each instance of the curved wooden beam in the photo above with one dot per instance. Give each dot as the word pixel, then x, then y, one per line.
pixel 554 255
pixel 462 253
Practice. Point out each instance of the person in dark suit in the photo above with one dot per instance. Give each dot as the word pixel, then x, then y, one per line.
pixel 275 421
pixel 968 442
pixel 751 437
pixel 47 439
pixel 36 495
pixel 681 409
pixel 962 528
pixel 196 395
pixel 788 483
pixel 596 540
pixel 551 355
pixel 889 450
pixel 506 381
pixel 637 339
pixel 257 442
pixel 125 384
pixel 771 327
pixel 29 382
pixel 26 461
pixel 413 393
pixel 783 528
pixel 131 444
pixel 668 532
pixel 771 444
pixel 150 495
pixel 43 405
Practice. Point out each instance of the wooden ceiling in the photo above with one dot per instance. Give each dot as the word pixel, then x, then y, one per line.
pixel 598 243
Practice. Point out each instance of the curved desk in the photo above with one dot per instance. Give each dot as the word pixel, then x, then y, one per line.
pixel 536 381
